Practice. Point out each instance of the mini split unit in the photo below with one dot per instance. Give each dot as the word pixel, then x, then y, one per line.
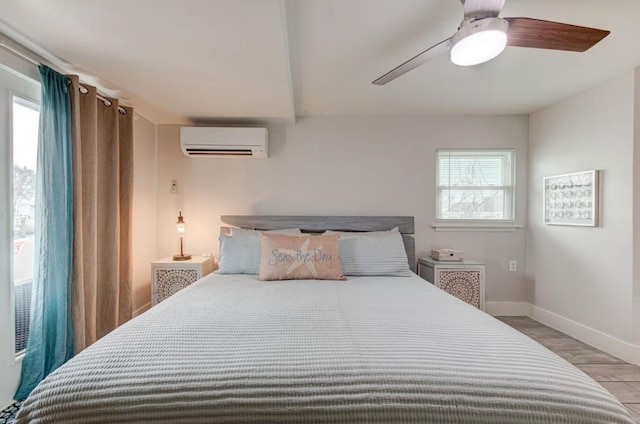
pixel 224 142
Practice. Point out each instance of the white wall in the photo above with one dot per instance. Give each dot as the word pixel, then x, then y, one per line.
pixel 636 213
pixel 585 274
pixel 345 166
pixel 144 210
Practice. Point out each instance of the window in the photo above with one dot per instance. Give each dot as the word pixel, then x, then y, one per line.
pixel 475 185
pixel 25 121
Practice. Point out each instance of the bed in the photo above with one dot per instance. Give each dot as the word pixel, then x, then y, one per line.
pixel 372 349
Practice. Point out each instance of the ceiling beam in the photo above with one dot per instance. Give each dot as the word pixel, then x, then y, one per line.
pixel 291 29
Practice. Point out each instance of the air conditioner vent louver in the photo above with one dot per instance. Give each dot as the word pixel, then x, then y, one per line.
pixel 214 152
pixel 224 142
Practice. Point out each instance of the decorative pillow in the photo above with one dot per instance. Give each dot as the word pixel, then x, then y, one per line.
pixel 256 233
pixel 287 257
pixel 378 253
pixel 239 255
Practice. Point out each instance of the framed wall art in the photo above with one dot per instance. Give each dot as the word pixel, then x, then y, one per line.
pixel 571 199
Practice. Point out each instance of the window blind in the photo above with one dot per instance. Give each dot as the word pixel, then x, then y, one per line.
pixel 475 185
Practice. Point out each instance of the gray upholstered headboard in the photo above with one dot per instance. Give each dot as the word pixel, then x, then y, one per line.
pixel 316 224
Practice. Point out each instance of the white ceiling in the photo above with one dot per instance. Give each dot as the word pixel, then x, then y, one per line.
pixel 227 60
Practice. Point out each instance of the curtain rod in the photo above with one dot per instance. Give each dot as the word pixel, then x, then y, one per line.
pixel 18 52
pixel 106 101
pixel 82 88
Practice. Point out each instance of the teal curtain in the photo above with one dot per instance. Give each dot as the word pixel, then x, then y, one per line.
pixel 51 341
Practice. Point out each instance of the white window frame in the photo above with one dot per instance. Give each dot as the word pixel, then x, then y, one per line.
pixel 25 101
pixel 509 194
pixel 21 78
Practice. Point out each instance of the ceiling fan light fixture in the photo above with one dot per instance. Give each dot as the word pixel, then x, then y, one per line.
pixel 479 41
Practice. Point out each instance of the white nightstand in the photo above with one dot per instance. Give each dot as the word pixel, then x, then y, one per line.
pixel 464 280
pixel 169 276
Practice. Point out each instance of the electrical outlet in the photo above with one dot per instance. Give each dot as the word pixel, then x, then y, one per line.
pixel 174 187
pixel 513 266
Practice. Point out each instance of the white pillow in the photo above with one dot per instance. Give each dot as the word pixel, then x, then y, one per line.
pixel 247 232
pixel 240 252
pixel 373 253
pixel 239 255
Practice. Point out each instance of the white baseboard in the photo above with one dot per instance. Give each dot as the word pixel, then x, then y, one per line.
pixel 141 309
pixel 507 309
pixel 612 345
pixel 619 348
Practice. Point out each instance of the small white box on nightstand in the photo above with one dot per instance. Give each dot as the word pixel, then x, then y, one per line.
pixel 447 255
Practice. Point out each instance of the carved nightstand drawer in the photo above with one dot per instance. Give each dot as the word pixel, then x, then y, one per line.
pixel 169 276
pixel 464 280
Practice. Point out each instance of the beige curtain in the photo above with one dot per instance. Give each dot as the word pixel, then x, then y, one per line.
pixel 103 189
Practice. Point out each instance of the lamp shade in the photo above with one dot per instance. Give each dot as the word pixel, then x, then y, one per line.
pixel 180 225
pixel 479 42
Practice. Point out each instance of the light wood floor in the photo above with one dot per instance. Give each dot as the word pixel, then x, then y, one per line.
pixel 620 378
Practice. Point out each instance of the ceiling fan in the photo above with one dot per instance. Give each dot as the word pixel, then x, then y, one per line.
pixel 483 35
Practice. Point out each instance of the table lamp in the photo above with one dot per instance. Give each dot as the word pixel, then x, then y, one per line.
pixel 180 225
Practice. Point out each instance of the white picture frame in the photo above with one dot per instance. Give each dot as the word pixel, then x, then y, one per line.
pixel 572 199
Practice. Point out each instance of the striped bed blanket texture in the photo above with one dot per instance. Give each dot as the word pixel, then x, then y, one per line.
pixel 231 349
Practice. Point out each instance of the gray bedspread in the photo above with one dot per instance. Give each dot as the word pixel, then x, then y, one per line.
pixel 368 350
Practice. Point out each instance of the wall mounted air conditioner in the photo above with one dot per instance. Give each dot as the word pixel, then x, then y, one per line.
pixel 224 142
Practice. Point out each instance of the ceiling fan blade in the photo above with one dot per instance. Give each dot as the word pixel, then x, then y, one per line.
pixel 480 9
pixel 535 33
pixel 415 61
